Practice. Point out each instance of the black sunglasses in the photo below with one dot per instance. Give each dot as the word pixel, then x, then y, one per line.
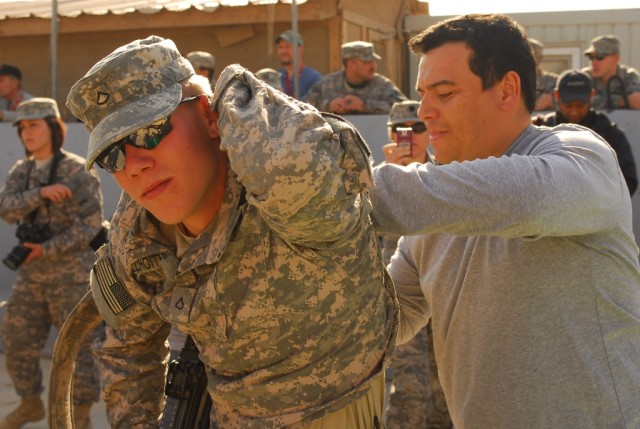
pixel 417 127
pixel 596 57
pixel 112 159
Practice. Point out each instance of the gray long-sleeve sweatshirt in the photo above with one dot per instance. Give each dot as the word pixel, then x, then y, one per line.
pixel 528 267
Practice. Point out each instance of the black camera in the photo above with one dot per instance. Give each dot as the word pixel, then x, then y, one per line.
pixel 26 232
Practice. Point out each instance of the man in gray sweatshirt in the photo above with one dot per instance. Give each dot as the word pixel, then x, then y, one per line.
pixel 526 262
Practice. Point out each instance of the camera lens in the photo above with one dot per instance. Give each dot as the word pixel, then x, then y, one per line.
pixel 16 257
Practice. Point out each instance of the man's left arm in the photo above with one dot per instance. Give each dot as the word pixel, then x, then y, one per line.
pixel 632 87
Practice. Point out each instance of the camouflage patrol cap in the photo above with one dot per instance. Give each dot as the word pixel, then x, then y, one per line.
pixel 403 111
pixel 134 86
pixel 201 59
pixel 36 108
pixel 360 50
pixel 270 76
pixel 604 45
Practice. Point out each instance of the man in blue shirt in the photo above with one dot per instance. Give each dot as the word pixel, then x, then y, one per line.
pixel 306 75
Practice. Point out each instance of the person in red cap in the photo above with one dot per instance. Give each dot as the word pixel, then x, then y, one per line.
pixel 11 92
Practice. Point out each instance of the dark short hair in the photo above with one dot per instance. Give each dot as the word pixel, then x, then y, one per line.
pixel 498 45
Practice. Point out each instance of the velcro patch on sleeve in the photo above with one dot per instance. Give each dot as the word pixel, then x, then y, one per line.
pixel 111 297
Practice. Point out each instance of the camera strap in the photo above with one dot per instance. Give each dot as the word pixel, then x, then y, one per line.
pixel 57 156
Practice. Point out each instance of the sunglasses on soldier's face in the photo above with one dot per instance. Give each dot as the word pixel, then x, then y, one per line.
pixel 417 127
pixel 112 159
pixel 596 57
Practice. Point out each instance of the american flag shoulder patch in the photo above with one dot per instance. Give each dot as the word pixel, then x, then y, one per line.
pixel 111 289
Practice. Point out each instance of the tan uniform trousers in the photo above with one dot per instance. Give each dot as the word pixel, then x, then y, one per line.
pixel 359 414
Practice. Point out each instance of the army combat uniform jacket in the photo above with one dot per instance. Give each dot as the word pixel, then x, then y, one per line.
pixel 73 223
pixel 284 293
pixel 378 94
pixel 610 95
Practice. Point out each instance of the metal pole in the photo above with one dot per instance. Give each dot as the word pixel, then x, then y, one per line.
pixel 54 48
pixel 294 27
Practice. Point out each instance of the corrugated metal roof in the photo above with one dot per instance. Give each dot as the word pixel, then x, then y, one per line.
pixel 71 8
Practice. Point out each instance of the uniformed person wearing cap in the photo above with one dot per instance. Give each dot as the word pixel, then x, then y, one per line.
pixel 270 76
pixel 244 222
pixel 357 88
pixel 51 191
pixel 617 85
pixel 545 80
pixel 204 64
pixel 416 399
pixel 11 92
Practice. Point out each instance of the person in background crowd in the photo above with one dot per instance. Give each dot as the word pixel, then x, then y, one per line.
pixel 416 399
pixel 357 88
pixel 244 222
pixel 58 206
pixel 285 51
pixel 204 64
pixel 573 94
pixel 617 86
pixel 521 251
pixel 271 76
pixel 545 81
pixel 11 92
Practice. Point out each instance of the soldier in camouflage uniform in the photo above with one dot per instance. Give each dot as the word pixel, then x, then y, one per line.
pixel 617 86
pixel 245 223
pixel 357 88
pixel 416 399
pixel 55 274
pixel 204 64
pixel 271 76
pixel 545 81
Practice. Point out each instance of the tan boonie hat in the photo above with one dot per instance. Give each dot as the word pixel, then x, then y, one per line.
pixel 270 76
pixel 604 45
pixel 201 59
pixel 403 111
pixel 36 108
pixel 360 50
pixel 134 86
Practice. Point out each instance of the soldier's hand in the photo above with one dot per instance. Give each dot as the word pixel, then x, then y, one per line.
pixel 337 105
pixel 395 154
pixel 353 103
pixel 56 192
pixel 36 251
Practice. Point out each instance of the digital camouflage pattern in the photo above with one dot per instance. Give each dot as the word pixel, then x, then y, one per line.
pixel 359 50
pixel 546 83
pixel 47 289
pixel 604 45
pixel 271 76
pixel 201 59
pixel 285 293
pixel 113 108
pixel 403 112
pixel 379 93
pixel 35 108
pixel 626 81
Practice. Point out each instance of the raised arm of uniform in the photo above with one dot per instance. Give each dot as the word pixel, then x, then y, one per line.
pixel 134 353
pixel 15 201
pixel 85 207
pixel 569 184
pixel 304 177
